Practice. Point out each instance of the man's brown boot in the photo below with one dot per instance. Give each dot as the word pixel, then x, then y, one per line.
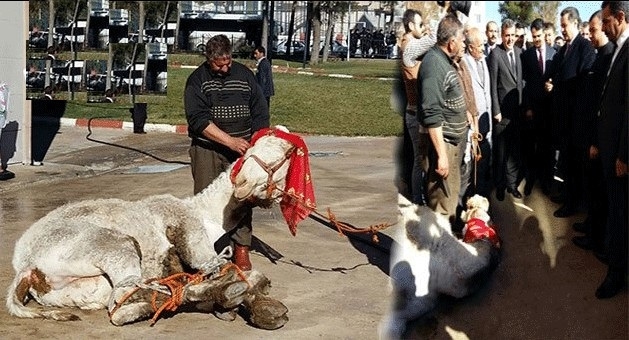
pixel 241 257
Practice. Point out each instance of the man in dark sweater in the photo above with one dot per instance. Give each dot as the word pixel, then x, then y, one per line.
pixel 224 107
pixel 442 111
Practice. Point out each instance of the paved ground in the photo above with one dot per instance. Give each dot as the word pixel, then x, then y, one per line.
pixel 335 287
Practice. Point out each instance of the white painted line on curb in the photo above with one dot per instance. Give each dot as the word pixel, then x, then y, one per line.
pixel 160 128
pixel 127 126
pixel 68 121
pixel 333 75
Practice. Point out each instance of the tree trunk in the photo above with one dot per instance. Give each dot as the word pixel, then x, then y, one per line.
pixel 141 22
pixel 328 36
pixel 291 29
pixel 165 22
pixel 316 32
pixel 87 26
pixel 110 63
pixel 51 24
pixel 140 41
pixel 176 38
pixel 264 41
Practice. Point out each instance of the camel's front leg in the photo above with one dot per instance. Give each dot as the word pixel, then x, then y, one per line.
pixel 236 288
pixel 226 289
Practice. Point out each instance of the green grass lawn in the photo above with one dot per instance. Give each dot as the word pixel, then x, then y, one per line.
pixel 305 104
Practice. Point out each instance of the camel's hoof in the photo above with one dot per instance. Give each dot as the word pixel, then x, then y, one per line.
pixel 131 313
pixel 267 313
pixel 233 294
pixel 226 315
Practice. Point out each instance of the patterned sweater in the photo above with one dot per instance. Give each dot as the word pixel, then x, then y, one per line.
pixel 441 99
pixel 234 103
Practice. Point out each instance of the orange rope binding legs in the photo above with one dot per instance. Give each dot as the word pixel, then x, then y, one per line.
pixel 176 283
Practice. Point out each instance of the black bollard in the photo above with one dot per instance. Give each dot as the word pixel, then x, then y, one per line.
pixel 138 114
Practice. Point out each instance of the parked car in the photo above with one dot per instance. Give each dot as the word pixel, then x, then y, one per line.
pixel 280 47
pixel 338 50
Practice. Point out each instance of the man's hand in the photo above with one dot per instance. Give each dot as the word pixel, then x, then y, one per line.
pixel 443 169
pixel 238 144
pixel 214 133
pixel 593 154
pixel 548 85
pixel 498 117
pixel 621 168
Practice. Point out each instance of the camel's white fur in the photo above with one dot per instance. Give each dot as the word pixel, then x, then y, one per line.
pixel 427 261
pixel 89 253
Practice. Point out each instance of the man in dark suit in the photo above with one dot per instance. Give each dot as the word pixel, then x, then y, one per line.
pixel 264 75
pixel 537 152
pixel 612 145
pixel 505 73
pixel 570 67
pixel 594 224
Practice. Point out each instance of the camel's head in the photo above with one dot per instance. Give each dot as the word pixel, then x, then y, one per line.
pixel 264 169
pixel 261 174
pixel 276 167
pixel 477 207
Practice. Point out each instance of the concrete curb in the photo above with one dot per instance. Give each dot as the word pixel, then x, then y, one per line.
pixel 116 124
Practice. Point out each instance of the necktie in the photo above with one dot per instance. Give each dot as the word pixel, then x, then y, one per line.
pixel 567 49
pixel 512 60
pixel 481 71
pixel 540 60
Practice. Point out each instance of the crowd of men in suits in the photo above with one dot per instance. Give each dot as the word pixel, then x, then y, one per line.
pixel 541 112
pixel 371 43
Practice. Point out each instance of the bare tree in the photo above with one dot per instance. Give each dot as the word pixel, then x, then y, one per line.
pixel 265 25
pixel 333 11
pixel 390 6
pixel 548 10
pixel 429 9
pixel 291 29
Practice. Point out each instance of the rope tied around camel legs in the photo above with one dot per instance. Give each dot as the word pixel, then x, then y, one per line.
pixel 174 285
pixel 215 263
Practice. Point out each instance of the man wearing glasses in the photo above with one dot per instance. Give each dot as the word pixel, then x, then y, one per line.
pixel 224 107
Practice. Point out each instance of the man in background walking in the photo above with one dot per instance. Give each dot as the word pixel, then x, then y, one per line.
pixel 264 75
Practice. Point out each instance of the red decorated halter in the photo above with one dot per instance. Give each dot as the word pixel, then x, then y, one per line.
pixel 298 199
pixel 478 229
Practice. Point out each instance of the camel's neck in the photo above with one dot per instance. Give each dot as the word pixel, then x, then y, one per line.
pixel 216 203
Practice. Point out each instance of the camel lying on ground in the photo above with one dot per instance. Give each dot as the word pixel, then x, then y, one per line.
pixel 429 261
pixel 105 253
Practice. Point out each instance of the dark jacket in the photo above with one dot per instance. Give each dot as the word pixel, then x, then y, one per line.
pixel 534 96
pixel 506 85
pixel 595 80
pixel 569 91
pixel 612 120
pixel 265 77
